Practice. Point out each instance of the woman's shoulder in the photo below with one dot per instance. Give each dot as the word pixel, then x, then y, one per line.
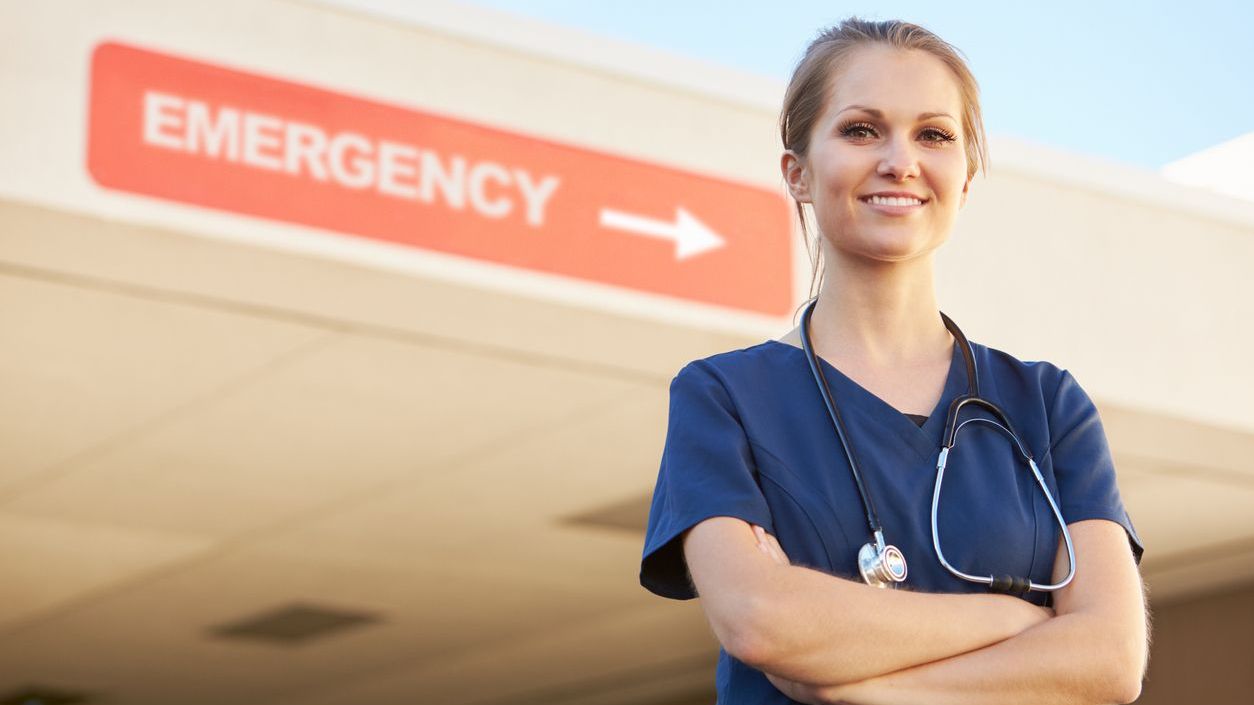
pixel 757 378
pixel 1010 372
pixel 768 353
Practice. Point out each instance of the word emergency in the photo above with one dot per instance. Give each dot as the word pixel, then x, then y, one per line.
pixel 347 158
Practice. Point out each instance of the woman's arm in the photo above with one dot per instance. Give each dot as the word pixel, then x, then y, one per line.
pixel 1095 651
pixel 817 628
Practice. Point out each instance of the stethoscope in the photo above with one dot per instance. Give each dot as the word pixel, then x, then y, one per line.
pixel 882 564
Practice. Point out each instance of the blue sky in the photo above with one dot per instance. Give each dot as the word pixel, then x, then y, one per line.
pixel 1142 83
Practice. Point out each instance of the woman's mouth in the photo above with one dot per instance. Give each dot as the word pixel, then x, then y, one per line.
pixel 894 205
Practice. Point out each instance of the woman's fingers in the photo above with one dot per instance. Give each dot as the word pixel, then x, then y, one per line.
pixel 760 534
pixel 768 545
pixel 778 549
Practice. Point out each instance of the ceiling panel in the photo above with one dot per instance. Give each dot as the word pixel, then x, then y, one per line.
pixel 1177 514
pixel 1197 525
pixel 49 564
pixel 629 656
pixel 82 368
pixel 509 512
pixel 357 415
pixel 151 640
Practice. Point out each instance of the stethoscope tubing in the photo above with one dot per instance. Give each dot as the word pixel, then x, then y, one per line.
pixel 1006 584
pixel 868 505
pixel 991 581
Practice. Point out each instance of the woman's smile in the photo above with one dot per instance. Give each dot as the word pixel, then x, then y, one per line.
pixel 894 205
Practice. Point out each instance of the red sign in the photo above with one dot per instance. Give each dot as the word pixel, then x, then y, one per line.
pixel 212 136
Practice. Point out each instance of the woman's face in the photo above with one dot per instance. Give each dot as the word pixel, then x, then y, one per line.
pixel 892 123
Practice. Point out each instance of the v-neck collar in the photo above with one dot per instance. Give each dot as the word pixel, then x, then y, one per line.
pixel 924 439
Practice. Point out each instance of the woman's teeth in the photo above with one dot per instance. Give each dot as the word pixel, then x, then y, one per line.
pixel 893 201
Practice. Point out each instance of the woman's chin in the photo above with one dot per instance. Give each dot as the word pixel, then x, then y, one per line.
pixel 894 247
pixel 885 242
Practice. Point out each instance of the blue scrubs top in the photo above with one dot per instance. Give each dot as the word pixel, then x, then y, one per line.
pixel 748 436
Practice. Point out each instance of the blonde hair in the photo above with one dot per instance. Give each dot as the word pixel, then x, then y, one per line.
pixel 807 94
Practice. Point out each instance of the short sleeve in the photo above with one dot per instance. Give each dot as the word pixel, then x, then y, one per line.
pixel 707 469
pixel 1083 464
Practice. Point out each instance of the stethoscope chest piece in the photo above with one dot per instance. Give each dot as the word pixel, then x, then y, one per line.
pixel 881 566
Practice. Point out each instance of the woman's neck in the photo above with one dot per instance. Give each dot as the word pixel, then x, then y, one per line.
pixel 879 315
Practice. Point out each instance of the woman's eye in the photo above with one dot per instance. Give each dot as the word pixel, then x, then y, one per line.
pixel 857 130
pixel 935 134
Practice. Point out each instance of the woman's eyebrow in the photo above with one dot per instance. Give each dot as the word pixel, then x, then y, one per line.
pixel 879 114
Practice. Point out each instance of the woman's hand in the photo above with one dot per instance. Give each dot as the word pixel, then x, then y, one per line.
pixel 768 545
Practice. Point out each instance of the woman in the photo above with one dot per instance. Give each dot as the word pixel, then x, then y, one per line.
pixel 882 134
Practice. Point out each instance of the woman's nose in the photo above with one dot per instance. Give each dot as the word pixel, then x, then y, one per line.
pixel 899 160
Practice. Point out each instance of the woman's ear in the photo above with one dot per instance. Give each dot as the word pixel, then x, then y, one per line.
pixel 965 188
pixel 796 176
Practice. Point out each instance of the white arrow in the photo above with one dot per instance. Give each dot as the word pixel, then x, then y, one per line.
pixel 691 236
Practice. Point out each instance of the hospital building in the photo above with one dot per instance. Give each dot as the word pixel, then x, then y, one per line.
pixel 336 336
